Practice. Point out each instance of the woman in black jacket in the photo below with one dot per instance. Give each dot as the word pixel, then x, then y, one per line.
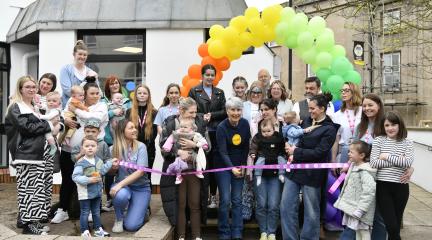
pixel 168 188
pixel 30 154
pixel 211 107
pixel 314 147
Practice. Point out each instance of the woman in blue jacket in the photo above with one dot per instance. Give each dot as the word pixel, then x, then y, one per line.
pixel 314 147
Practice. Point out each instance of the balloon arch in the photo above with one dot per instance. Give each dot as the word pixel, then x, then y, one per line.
pixel 311 41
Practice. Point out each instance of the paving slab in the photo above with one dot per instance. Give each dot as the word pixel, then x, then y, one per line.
pixel 5 232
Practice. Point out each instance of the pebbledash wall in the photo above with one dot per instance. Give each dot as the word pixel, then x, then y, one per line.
pixel 168 55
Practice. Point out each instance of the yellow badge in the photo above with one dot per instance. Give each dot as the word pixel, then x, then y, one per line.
pixel 236 139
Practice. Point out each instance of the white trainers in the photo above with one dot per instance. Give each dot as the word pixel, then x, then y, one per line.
pixel 198 238
pixel 271 237
pixel 263 236
pixel 90 217
pixel 213 203
pixel 86 234
pixel 108 207
pixel 101 233
pixel 60 216
pixel 118 226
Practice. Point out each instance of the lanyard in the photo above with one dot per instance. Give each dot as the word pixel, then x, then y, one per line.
pixel 351 122
pixel 142 121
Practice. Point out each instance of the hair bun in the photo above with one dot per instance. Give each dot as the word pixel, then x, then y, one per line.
pixel 90 79
pixel 80 43
pixel 328 96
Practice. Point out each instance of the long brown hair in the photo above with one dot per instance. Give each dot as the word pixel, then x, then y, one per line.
pixel 356 99
pixel 166 100
pixel 395 118
pixel 284 94
pixel 120 144
pixel 363 125
pixel 134 115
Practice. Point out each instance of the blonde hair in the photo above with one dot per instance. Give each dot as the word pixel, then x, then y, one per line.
pixel 289 117
pixel 134 115
pixel 80 45
pixel 120 146
pixel 356 99
pixel 17 97
pixel 77 89
pixel 53 93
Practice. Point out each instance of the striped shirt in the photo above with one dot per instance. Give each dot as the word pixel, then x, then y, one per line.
pixel 401 156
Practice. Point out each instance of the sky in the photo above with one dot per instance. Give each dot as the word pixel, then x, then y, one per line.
pixel 261 4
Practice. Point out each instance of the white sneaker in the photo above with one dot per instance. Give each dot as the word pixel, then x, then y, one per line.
pixel 263 236
pixel 86 234
pixel 213 203
pixel 90 217
pixel 60 216
pixel 198 238
pixel 101 233
pixel 118 226
pixel 271 237
pixel 108 207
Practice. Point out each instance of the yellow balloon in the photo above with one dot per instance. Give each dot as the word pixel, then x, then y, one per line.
pixel 256 26
pixel 271 16
pixel 217 49
pixel 240 23
pixel 252 12
pixel 229 35
pixel 216 30
pixel 234 53
pixel 245 40
pixel 132 95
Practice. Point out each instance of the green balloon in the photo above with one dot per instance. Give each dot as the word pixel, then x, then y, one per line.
pixel 323 59
pixel 323 74
pixel 338 51
pixel 281 30
pixel 325 41
pixel 299 22
pixel 335 83
pixel 353 76
pixel 323 87
pixel 287 14
pixel 305 39
pixel 316 25
pixel 309 55
pixel 336 96
pixel 291 41
pixel 340 65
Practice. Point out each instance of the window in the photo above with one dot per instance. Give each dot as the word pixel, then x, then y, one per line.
pixel 391 21
pixel 391 72
pixel 309 72
pixel 121 53
pixel 4 93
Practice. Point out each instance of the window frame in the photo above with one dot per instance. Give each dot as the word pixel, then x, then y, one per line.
pixel 391 28
pixel 384 73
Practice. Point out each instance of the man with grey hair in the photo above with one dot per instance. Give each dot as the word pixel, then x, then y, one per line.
pixel 264 77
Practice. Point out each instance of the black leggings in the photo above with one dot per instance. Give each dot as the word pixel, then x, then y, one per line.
pixel 68 187
pixel 211 162
pixel 391 201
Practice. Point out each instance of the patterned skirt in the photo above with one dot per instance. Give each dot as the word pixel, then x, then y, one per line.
pixel 34 188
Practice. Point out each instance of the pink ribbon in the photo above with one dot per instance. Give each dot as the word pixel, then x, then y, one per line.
pixel 337 183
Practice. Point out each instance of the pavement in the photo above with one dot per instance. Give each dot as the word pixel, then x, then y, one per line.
pixel 417 222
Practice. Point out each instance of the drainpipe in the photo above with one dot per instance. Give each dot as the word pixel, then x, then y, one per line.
pixel 25 59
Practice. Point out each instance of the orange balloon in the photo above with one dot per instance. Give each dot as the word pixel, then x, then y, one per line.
pixel 209 60
pixel 223 64
pixel 215 83
pixel 218 76
pixel 193 82
pixel 194 71
pixel 203 50
pixel 185 80
pixel 184 91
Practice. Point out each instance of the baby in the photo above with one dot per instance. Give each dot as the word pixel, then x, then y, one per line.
pixel 292 131
pixel 76 100
pixel 116 103
pixel 53 111
pixel 186 158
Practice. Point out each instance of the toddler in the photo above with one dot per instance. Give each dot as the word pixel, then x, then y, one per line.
pixel 53 111
pixel 87 175
pixel 268 146
pixel 357 198
pixel 186 158
pixel 76 100
pixel 292 131
pixel 116 103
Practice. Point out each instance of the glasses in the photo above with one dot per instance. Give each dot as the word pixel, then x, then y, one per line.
pixel 256 92
pixel 345 90
pixel 29 87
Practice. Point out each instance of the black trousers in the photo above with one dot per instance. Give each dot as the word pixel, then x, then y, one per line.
pixel 211 159
pixel 68 186
pixel 391 201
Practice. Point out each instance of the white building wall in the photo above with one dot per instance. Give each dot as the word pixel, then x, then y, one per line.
pixel 56 50
pixel 18 51
pixel 422 158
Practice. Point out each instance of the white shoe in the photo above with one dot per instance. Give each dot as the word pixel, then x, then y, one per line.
pixel 108 207
pixel 258 180
pixel 263 236
pixel 101 233
pixel 199 175
pixel 118 226
pixel 198 238
pixel 86 234
pixel 60 216
pixel 90 217
pixel 213 203
pixel 41 227
pixel 271 237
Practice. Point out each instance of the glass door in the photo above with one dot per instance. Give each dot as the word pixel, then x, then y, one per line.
pixel 4 93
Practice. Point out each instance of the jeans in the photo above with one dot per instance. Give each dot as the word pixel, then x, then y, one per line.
pixel 289 211
pixel 86 206
pixel 230 190
pixel 267 196
pixel 348 234
pixel 137 200
pixel 261 161
pixel 379 230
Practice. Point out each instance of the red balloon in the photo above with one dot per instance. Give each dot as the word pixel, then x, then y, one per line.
pixel 184 91
pixel 223 64
pixel 203 50
pixel 194 71
pixel 218 76
pixel 185 80
pixel 208 60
